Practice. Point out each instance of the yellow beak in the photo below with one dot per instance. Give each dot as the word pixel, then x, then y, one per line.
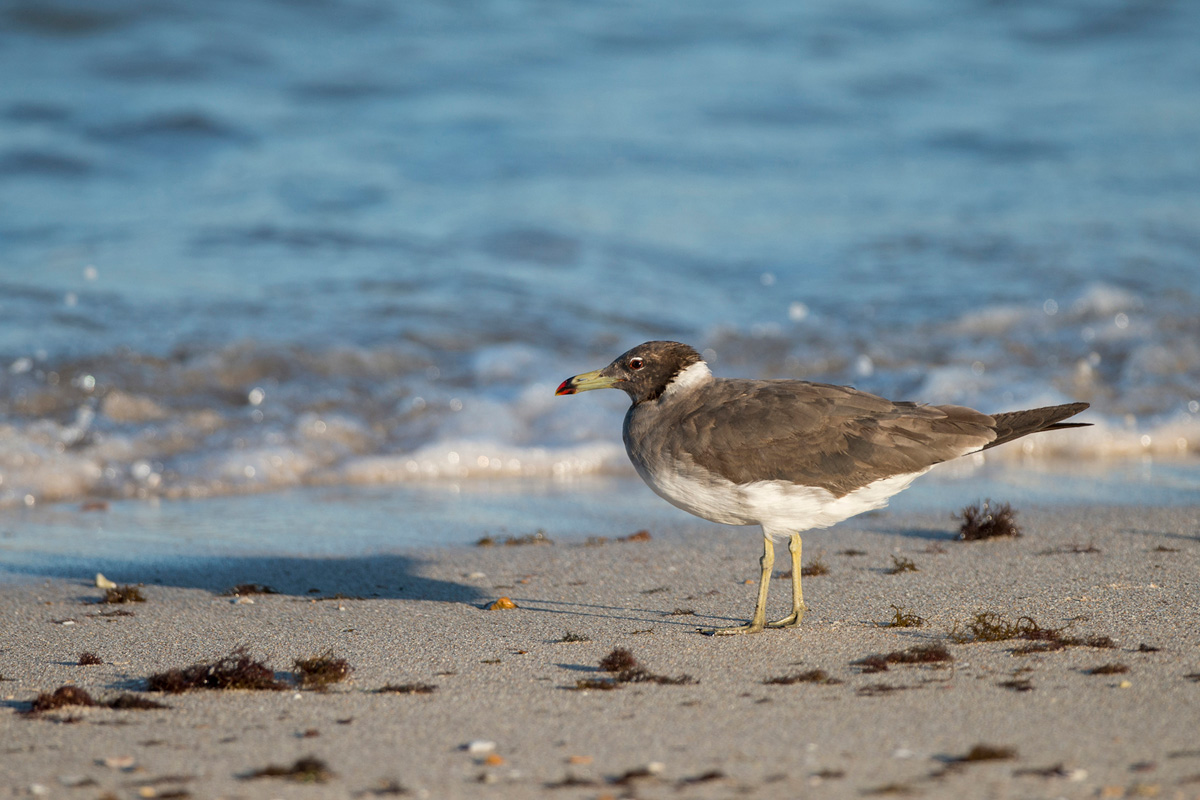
pixel 586 382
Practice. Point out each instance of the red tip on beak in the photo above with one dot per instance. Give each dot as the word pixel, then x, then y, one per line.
pixel 565 388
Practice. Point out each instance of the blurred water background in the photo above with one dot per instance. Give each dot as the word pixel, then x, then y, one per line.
pixel 270 270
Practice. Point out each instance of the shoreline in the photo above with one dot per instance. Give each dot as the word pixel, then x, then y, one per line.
pixel 507 677
pixel 116 536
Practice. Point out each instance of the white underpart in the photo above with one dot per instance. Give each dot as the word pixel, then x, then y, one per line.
pixel 780 507
pixel 688 379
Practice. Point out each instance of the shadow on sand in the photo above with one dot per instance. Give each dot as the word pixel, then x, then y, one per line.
pixel 374 576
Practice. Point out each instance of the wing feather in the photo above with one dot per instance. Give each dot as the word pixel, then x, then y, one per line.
pixel 814 434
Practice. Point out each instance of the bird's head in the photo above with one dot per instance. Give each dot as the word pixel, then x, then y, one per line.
pixel 643 373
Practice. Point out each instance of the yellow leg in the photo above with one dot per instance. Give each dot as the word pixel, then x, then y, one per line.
pixel 767 562
pixel 798 607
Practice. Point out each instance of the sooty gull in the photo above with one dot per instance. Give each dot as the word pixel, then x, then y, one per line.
pixel 787 455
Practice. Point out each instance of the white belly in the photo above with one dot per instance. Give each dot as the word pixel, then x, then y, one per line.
pixel 780 507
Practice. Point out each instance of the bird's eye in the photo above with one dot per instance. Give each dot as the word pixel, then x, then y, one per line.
pixel 636 363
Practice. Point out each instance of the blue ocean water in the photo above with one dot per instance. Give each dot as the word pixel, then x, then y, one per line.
pixel 257 246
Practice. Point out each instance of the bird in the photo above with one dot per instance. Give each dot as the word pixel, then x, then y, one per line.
pixel 786 455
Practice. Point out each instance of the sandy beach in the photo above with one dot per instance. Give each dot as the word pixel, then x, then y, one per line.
pixel 507 719
pixel 288 291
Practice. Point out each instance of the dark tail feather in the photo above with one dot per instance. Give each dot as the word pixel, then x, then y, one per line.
pixel 1015 424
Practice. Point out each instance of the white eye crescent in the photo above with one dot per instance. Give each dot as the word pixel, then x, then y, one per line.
pixel 636 363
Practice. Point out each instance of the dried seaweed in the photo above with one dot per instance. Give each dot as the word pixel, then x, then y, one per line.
pixel 1070 549
pixel 901 564
pixel 123 594
pixel 640 675
pixel 319 672
pixel 407 688
pixel 248 589
pixel 933 653
pixel 985 752
pixel 1108 669
pixel 977 754
pixel 600 684
pixel 904 620
pixel 62 697
pixel 67 696
pixel 305 770
pixel 570 781
pixel 990 627
pixel 626 669
pixel 235 671
pixel 132 702
pixel 810 676
pixel 703 777
pixel 987 522
pixel 538 537
pixel 891 788
pixel 618 660
pixel 876 689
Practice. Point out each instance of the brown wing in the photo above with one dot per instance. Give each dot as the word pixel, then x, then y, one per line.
pixel 815 434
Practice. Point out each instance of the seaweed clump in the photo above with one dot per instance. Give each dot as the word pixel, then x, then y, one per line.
pixel 89 659
pixel 987 522
pixel 305 770
pixel 990 627
pixel 234 671
pixel 903 619
pixel 538 537
pixel 1108 669
pixel 248 589
pixel 320 671
pixel 1073 548
pixel 407 688
pixel 987 626
pixel 626 669
pixel 978 753
pixel 985 752
pixel 809 676
pixel 600 684
pixel 920 654
pixel 618 660
pixel 123 594
pixel 62 697
pixel 69 695
pixel 901 564
pixel 815 567
pixel 131 702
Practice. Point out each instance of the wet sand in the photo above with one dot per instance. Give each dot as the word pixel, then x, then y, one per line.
pixel 506 681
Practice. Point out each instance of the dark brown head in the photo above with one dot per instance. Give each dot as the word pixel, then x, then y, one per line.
pixel 643 373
